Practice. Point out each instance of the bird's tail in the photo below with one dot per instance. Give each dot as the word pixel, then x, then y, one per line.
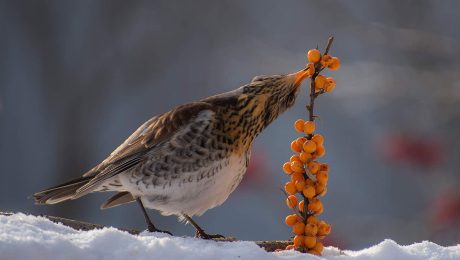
pixel 61 192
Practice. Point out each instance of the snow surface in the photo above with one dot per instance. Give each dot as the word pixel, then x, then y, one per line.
pixel 29 237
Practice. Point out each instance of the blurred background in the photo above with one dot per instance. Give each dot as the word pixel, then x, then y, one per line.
pixel 77 77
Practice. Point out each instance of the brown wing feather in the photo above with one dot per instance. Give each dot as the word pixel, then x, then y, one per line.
pixel 134 150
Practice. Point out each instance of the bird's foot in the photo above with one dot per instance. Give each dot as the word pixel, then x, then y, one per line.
pixel 152 228
pixel 203 235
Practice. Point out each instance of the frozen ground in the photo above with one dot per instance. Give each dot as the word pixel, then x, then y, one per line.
pixel 29 237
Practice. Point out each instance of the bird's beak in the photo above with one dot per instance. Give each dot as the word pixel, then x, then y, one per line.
pixel 300 76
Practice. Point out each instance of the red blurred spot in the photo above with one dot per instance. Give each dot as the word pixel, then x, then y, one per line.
pixel 446 209
pixel 415 150
pixel 257 167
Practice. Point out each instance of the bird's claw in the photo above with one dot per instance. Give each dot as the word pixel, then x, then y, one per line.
pixel 154 229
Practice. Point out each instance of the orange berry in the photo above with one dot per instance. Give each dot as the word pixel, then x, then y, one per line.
pixel 322 177
pixel 291 219
pixel 290 188
pixel 335 64
pixel 290 247
pixel 287 168
pixel 323 228
pixel 311 229
pixel 301 205
pixel 320 189
pixel 309 127
pixel 299 185
pixel 320 81
pixel 318 247
pixel 295 147
pixel 314 55
pixel 292 201
pixel 324 167
pixel 298 125
pixel 320 210
pixel 326 60
pixel 313 220
pixel 300 141
pixel 313 167
pixel 309 146
pixel 309 191
pixel 314 205
pixel 310 241
pixel 309 182
pixel 330 85
pixel 294 158
pixel 298 228
pixel 298 240
pixel 297 176
pixel 320 151
pixel 318 139
pixel 297 166
pixel 304 157
pixel 311 69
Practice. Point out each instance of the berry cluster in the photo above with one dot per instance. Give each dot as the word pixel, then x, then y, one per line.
pixel 308 176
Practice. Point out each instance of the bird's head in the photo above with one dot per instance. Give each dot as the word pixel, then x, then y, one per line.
pixel 268 96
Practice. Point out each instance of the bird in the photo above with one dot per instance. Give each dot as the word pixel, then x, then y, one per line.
pixel 190 159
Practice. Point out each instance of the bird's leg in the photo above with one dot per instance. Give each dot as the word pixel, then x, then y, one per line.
pixel 150 226
pixel 199 231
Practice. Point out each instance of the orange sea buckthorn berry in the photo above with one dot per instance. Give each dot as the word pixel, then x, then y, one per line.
pixel 335 64
pixel 322 177
pixel 295 147
pixel 314 205
pixel 310 68
pixel 311 229
pixel 323 228
pixel 320 210
pixel 301 205
pixel 320 189
pixel 294 158
pixel 314 55
pixel 304 157
pixel 291 219
pixel 298 125
pixel 313 167
pixel 298 240
pixel 299 185
pixel 320 151
pixel 298 228
pixel 309 127
pixel 297 166
pixel 310 241
pixel 330 85
pixel 320 81
pixel 326 60
pixel 292 201
pixel 318 247
pixel 309 192
pixel 324 167
pixel 309 146
pixel 313 220
pixel 290 247
pixel 300 141
pixel 318 139
pixel 297 176
pixel 290 188
pixel 287 168
pixel 309 182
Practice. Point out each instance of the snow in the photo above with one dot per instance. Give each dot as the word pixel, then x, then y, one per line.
pixel 30 237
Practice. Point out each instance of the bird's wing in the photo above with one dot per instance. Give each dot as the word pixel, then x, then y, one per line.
pixel 144 140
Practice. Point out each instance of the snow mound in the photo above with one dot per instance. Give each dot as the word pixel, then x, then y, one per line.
pixel 30 237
